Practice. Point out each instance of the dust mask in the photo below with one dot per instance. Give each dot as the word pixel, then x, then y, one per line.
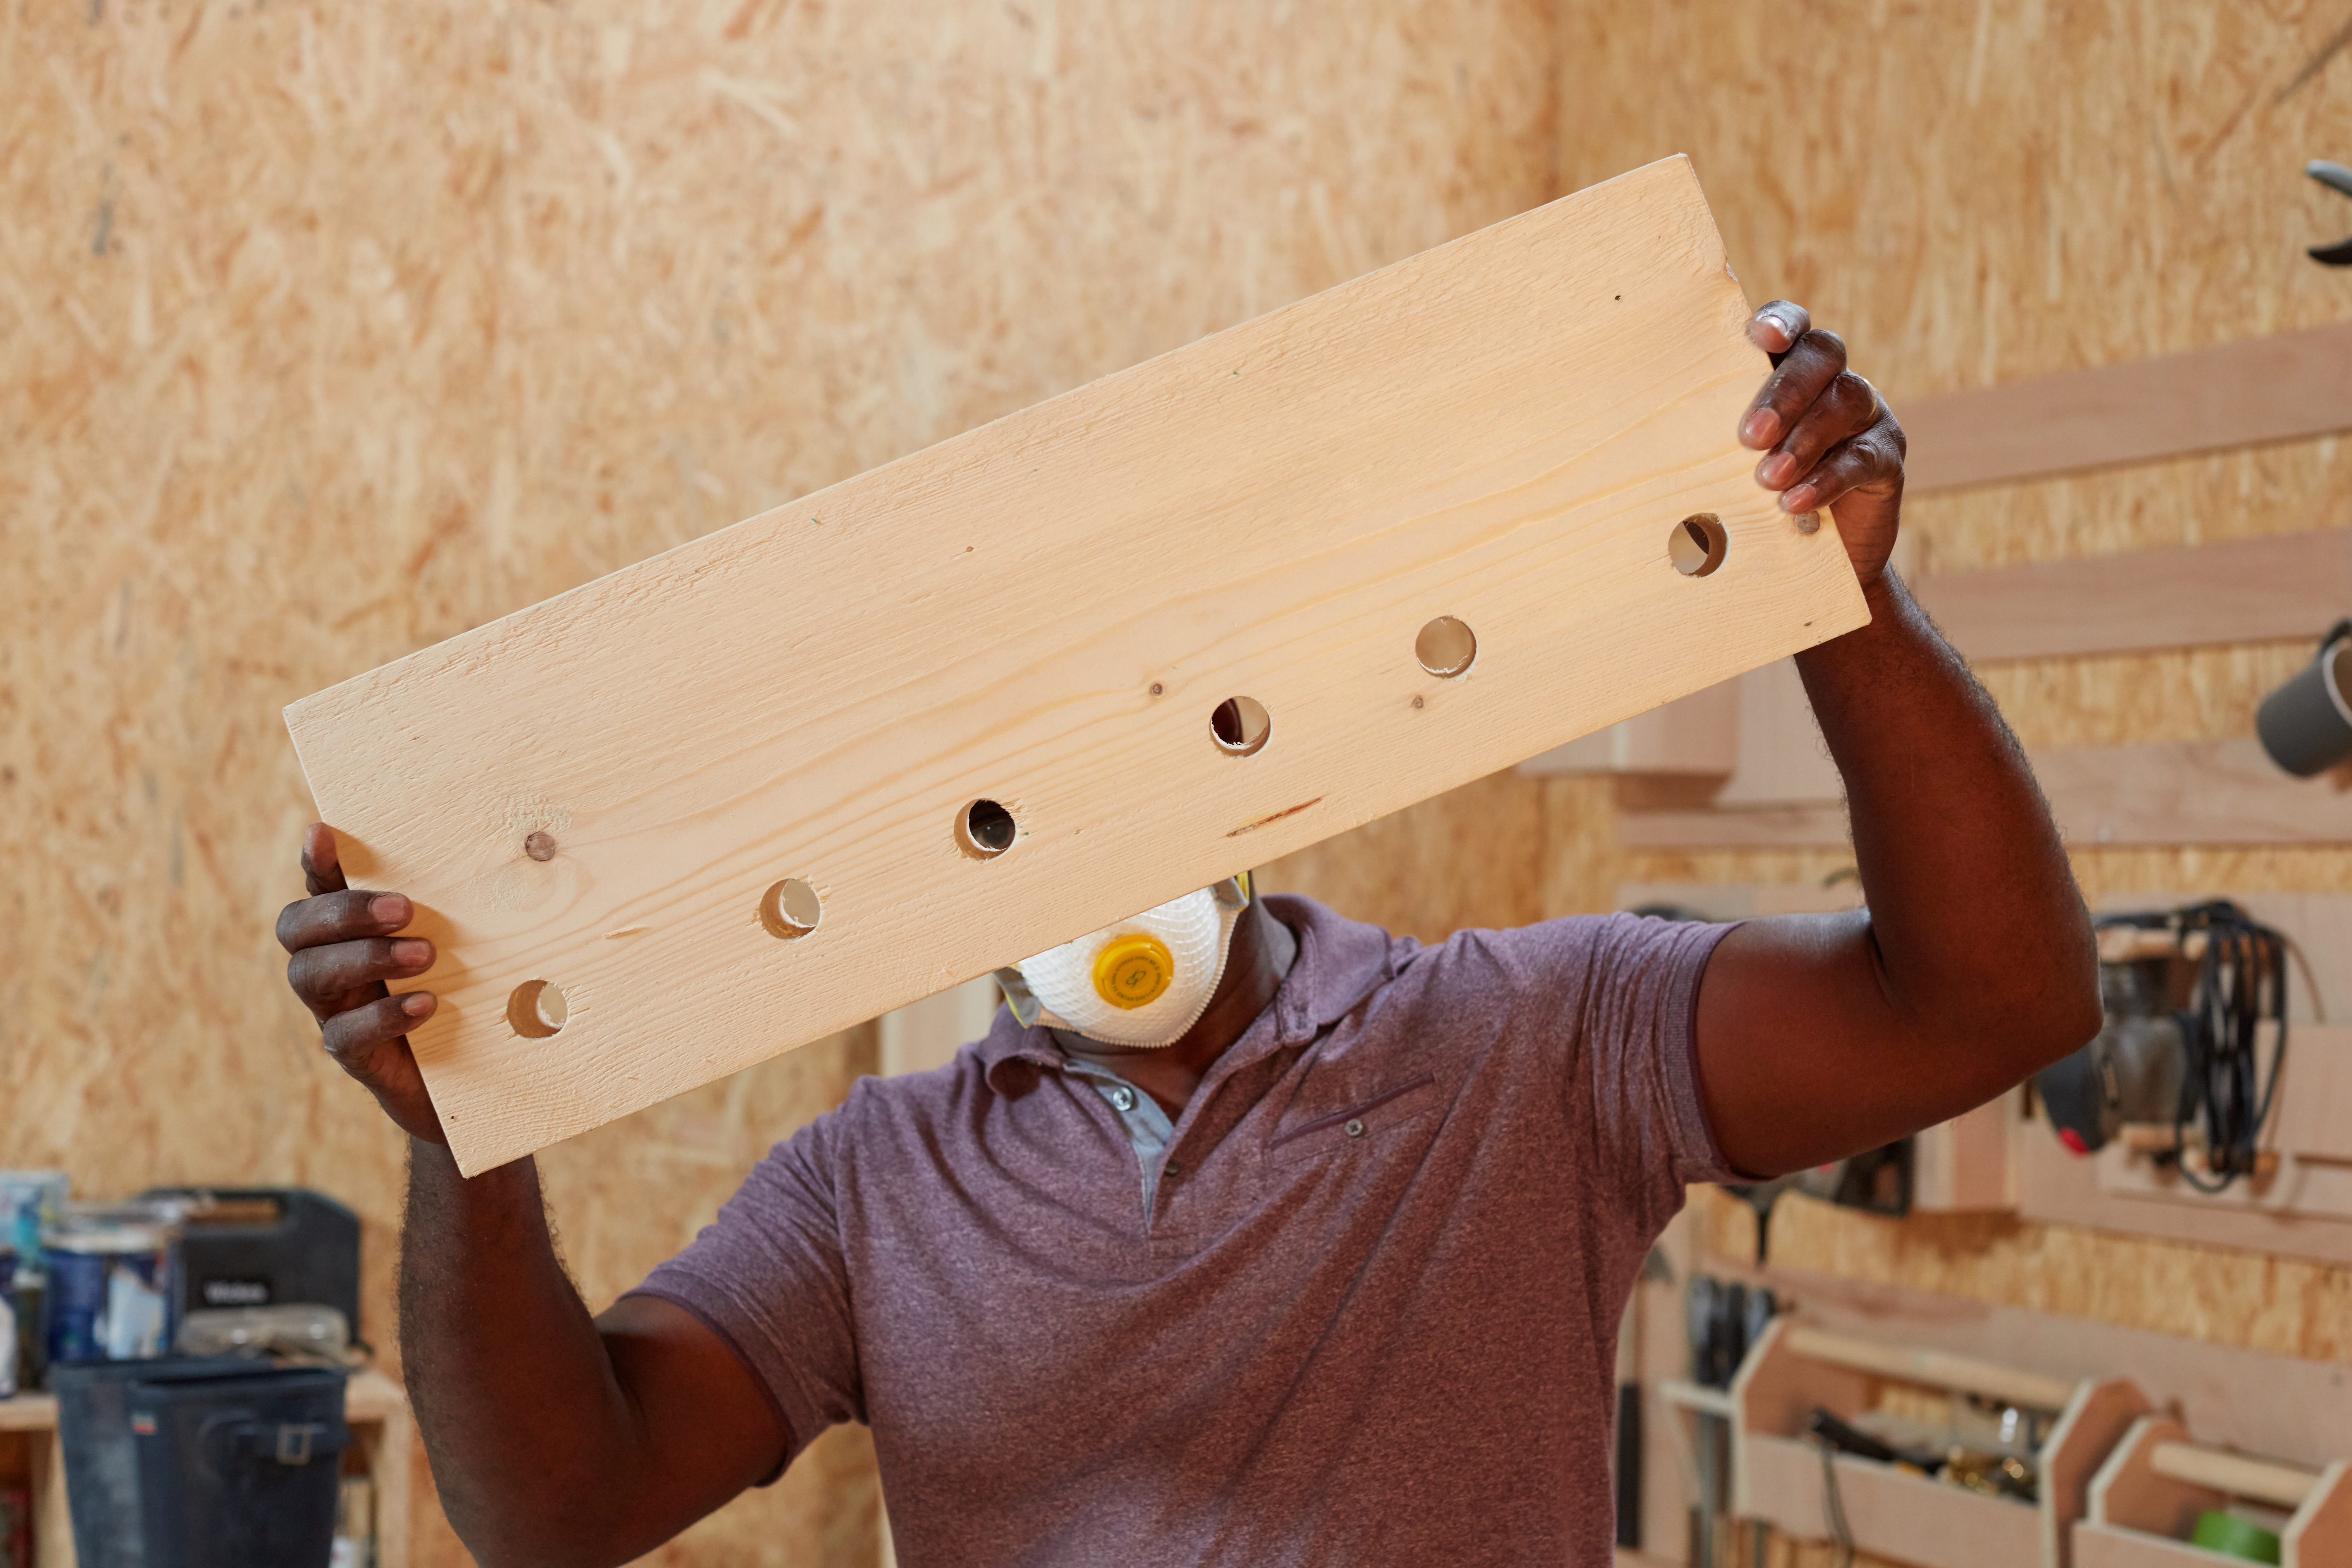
pixel 1140 981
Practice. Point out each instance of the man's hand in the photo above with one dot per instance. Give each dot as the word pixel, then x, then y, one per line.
pixel 1830 441
pixel 344 950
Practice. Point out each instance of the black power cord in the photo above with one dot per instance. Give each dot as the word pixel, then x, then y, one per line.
pixel 2240 985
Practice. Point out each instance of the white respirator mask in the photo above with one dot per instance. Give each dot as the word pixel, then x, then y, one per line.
pixel 1141 981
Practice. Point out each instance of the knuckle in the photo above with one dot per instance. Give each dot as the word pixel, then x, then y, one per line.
pixel 303 973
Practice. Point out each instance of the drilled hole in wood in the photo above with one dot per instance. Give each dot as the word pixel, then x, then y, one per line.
pixel 790 909
pixel 1241 725
pixel 1696 544
pixel 1445 646
pixel 986 829
pixel 537 1009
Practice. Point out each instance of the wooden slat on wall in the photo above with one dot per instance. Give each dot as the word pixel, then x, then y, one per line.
pixel 2232 394
pixel 2244 590
pixel 2185 792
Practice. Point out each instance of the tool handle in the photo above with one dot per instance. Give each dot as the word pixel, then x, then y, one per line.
pixel 1963 1372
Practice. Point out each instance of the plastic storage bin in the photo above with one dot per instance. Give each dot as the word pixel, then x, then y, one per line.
pixel 202 1464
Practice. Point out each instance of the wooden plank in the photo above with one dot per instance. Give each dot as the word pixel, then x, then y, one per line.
pixel 2096 1419
pixel 2066 1189
pixel 29 1413
pixel 2320 1534
pixel 2293 585
pixel 2113 1546
pixel 1970 1375
pixel 1963 1165
pixel 2234 395
pixel 2311 1189
pixel 2180 792
pixel 1893 1514
pixel 1045 612
pixel 2280 1486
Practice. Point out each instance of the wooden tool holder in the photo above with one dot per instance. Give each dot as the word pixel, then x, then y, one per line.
pixel 1778 1475
pixel 2145 1498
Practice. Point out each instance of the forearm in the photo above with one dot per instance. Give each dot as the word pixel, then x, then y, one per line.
pixel 526 1426
pixel 1980 934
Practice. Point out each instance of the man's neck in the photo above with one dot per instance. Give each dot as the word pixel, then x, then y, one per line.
pixel 1263 952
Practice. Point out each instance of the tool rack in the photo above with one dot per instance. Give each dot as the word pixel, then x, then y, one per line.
pixel 1777 1473
pixel 2147 1496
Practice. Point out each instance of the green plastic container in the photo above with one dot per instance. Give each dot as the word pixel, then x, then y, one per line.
pixel 2234 1537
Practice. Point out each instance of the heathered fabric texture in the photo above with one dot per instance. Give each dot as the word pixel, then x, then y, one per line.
pixel 1372 1318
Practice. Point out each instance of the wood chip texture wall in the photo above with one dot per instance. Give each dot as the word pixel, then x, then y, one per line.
pixel 325 334
pixel 329 331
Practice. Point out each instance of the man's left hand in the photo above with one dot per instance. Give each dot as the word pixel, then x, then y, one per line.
pixel 1828 438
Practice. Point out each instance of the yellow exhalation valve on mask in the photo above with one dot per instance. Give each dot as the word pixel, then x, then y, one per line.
pixel 1142 981
pixel 1133 970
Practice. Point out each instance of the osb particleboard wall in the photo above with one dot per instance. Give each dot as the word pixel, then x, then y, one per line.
pixel 326 333
pixel 1976 193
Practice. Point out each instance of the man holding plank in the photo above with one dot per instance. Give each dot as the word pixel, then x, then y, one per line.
pixel 1251 1233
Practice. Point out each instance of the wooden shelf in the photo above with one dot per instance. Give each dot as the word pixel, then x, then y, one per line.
pixel 2145 1498
pixel 1777 1474
pixel 373 1406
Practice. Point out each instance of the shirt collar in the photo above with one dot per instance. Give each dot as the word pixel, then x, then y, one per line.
pixel 1341 961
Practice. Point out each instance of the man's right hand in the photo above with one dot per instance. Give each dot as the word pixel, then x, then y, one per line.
pixel 344 951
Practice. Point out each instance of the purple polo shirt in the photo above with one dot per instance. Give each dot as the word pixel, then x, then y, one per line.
pixel 1370 1316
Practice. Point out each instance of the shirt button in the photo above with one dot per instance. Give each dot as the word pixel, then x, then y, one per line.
pixel 1355 1130
pixel 1123 1098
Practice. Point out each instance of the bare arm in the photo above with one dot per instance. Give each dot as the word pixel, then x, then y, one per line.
pixel 1973 966
pixel 555 1438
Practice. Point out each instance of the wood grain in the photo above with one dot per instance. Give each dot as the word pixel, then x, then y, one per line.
pixel 2280 1486
pixel 2292 585
pixel 2179 792
pixel 2094 1420
pixel 818 693
pixel 2228 394
pixel 2320 1534
pixel 1970 1375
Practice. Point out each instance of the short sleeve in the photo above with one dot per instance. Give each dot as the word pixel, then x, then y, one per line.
pixel 769 1278
pixel 1620 998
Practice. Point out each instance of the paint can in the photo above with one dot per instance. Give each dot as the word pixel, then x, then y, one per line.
pixel 110 1269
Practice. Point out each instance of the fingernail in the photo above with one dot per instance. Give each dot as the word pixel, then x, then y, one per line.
pixel 1759 428
pixel 1798 500
pixel 416 1003
pixel 390 909
pixel 1776 470
pixel 409 954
